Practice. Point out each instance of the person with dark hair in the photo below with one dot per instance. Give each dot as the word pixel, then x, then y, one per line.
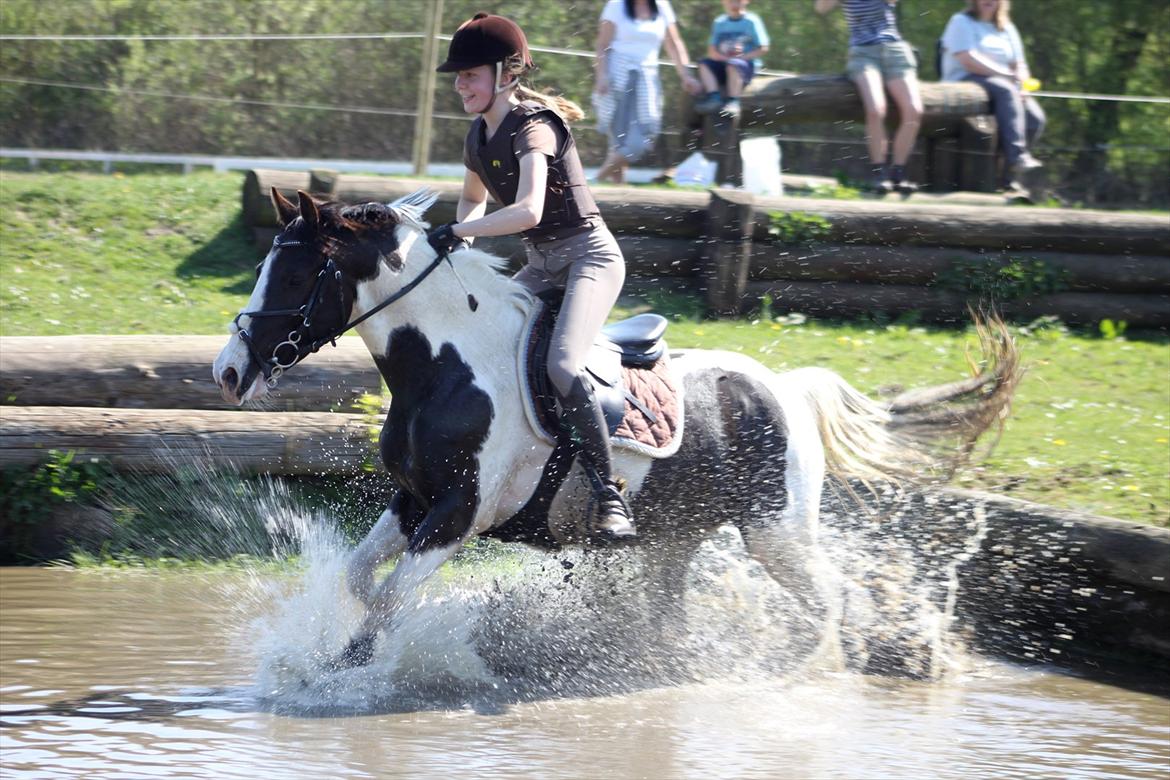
pixel 627 93
pixel 880 61
pixel 981 44
pixel 520 149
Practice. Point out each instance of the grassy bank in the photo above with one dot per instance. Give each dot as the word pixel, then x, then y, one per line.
pixel 169 254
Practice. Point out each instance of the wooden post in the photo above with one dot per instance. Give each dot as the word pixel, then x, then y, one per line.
pixel 721 142
pixel 944 157
pixel 728 256
pixel 977 144
pixel 322 181
pixel 421 153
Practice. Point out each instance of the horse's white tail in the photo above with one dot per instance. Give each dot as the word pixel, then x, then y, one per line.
pixel 920 434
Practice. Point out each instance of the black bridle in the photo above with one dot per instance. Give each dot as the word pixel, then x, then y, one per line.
pixel 299 340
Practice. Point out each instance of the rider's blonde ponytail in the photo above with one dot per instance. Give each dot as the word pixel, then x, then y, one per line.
pixel 565 108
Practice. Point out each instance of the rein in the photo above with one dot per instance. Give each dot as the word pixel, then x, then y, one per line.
pixel 273 367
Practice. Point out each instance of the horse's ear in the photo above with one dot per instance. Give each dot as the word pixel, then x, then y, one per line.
pixel 286 212
pixel 308 209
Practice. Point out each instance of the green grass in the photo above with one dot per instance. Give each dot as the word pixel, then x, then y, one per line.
pixel 155 253
pixel 148 253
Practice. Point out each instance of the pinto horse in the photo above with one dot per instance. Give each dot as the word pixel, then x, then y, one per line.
pixel 755 450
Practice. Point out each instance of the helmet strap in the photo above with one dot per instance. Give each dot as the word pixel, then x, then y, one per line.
pixel 499 88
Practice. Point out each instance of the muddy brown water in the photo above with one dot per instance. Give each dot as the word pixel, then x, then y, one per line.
pixel 137 674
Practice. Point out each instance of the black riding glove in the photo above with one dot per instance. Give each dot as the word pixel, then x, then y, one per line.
pixel 444 241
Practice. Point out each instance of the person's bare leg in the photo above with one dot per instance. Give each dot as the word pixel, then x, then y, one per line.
pixel 908 99
pixel 734 82
pixel 609 169
pixel 707 78
pixel 873 98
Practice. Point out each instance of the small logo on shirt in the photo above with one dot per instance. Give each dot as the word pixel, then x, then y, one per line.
pixel 495 163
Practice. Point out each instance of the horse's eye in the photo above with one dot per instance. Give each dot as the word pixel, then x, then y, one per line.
pixel 296 280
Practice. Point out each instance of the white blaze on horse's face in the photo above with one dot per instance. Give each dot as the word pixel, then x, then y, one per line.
pixel 232 364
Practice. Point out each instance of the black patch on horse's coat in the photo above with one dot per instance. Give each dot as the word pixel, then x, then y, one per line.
pixel 730 466
pixel 433 434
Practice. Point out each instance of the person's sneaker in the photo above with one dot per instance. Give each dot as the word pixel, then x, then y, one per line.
pixel 900 182
pixel 879 181
pixel 1027 162
pixel 731 108
pixel 709 104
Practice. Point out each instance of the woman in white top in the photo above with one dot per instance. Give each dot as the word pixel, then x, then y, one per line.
pixel 982 45
pixel 627 94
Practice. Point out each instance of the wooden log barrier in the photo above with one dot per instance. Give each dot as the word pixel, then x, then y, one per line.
pixel 844 299
pixel 920 265
pixel 167 372
pixel 1012 228
pixel 162 440
pixel 768 102
pixel 678 214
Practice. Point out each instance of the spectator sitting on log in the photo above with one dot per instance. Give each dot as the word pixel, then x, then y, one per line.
pixel 982 45
pixel 878 55
pixel 738 41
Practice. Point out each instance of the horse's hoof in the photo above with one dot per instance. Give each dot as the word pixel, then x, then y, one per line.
pixel 359 652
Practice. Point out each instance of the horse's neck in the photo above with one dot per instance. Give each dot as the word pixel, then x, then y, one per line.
pixel 486 338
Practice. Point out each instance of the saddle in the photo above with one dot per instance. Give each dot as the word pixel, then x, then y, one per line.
pixel 629 369
pixel 630 373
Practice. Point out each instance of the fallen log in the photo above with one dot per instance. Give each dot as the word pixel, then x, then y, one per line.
pixel 168 372
pixel 838 299
pixel 1010 228
pixel 770 102
pixel 924 265
pixel 165 440
pixel 679 213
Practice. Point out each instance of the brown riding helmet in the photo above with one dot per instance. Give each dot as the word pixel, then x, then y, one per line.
pixel 485 39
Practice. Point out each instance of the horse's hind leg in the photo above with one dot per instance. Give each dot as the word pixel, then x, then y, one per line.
pixel 384 541
pixel 804 572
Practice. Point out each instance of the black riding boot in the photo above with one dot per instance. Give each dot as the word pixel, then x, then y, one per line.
pixel 582 417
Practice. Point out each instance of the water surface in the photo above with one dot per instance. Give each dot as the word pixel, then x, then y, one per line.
pixel 136 674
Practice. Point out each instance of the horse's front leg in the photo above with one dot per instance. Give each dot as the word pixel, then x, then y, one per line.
pixel 384 541
pixel 433 543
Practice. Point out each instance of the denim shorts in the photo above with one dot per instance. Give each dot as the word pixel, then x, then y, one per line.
pixel 893 60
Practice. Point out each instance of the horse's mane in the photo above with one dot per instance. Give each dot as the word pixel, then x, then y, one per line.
pixel 482 269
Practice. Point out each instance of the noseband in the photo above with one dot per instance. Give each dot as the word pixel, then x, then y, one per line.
pixel 273 367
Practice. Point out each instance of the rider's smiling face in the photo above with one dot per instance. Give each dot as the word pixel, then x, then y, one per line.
pixel 475 87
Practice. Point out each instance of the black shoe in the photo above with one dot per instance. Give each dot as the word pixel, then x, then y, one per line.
pixel 901 183
pixel 879 181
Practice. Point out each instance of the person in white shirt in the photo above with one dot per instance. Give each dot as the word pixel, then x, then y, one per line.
pixel 627 94
pixel 982 45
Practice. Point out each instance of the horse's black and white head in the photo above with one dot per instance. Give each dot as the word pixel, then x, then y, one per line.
pixel 307 285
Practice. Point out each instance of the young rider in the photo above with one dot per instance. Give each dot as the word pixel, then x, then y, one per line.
pixel 520 149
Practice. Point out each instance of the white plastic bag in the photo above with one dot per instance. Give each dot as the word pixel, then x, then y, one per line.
pixel 696 169
pixel 761 166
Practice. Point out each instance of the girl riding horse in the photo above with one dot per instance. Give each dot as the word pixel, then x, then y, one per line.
pixel 520 149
